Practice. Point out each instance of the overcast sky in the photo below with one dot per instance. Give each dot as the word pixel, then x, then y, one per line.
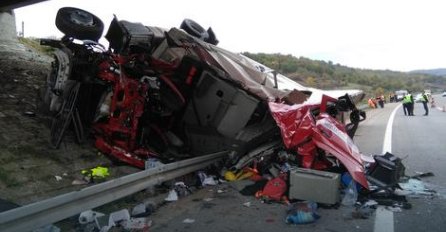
pixel 399 35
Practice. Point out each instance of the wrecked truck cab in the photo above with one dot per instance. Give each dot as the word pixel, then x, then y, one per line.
pixel 170 95
pixel 316 135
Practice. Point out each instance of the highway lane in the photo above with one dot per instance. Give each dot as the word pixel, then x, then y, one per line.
pixel 421 142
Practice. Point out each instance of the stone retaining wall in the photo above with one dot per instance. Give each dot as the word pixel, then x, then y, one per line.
pixel 8 30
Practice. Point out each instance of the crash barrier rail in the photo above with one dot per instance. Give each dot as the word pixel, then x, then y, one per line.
pixel 36 215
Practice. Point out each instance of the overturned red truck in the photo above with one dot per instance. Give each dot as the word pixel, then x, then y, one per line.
pixel 173 94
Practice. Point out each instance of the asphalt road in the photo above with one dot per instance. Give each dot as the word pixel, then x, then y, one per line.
pixel 420 141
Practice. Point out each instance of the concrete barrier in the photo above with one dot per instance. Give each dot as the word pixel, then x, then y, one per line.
pixel 8 30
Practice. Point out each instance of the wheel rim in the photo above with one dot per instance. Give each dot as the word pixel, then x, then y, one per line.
pixel 82 18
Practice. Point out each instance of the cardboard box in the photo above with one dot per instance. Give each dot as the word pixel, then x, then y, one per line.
pixel 314 185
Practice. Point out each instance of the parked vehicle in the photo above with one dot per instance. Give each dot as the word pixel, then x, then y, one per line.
pixel 173 94
pixel 400 94
pixel 418 97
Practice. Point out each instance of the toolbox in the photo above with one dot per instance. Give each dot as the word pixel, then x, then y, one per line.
pixel 386 171
pixel 314 185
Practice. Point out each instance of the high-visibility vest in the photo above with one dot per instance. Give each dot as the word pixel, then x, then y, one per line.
pixel 407 98
pixel 424 98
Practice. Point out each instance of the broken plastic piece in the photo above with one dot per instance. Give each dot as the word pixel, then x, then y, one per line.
pixel 152 163
pixel 351 194
pixel 96 173
pixel 137 224
pixel 422 174
pixel 139 209
pixel 118 217
pixel 89 216
pixel 182 189
pixel 415 187
pixel 79 182
pixel 188 220
pixel 172 196
pixel 302 213
pixel 209 180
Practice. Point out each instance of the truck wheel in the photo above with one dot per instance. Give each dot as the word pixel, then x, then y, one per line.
pixel 79 24
pixel 194 29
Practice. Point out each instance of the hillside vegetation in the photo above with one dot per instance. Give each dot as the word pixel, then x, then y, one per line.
pixel 326 75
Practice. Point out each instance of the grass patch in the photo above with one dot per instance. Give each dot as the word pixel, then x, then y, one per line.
pixel 22 150
pixel 34 43
pixel 7 179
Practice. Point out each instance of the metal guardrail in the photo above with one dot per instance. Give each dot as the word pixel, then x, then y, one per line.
pixel 36 215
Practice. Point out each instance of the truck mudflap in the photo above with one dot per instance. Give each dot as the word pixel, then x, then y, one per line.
pixel 304 128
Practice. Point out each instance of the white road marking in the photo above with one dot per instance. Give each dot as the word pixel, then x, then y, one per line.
pixel 383 217
pixel 383 220
pixel 387 144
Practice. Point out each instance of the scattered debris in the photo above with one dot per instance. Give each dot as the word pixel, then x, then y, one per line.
pixel 247 204
pixel 30 114
pixel 205 179
pixel 89 216
pixel 422 174
pixel 350 195
pixel 172 196
pixel 182 189
pixel 302 213
pixel 152 163
pixel 394 209
pixel 117 218
pixel 209 181
pixel 365 210
pixel 274 190
pixel 241 175
pixel 58 178
pixel 138 210
pixel 221 190
pixel 415 187
pixel 79 182
pixel 95 174
pixel 188 220
pixel 138 224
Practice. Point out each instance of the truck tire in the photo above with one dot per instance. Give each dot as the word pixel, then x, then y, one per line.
pixel 194 29
pixel 79 24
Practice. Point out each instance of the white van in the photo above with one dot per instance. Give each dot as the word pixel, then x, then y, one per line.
pixel 400 94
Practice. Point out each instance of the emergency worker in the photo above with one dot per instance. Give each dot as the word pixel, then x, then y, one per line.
pixel 371 103
pixel 410 103
pixel 405 102
pixel 425 100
